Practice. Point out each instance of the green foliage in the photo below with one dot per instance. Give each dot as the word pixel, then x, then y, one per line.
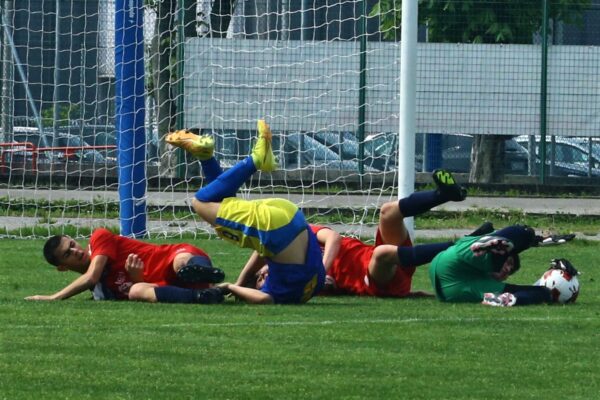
pixel 66 113
pixel 332 347
pixel 470 21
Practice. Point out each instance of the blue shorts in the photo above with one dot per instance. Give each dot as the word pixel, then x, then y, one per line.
pixel 267 226
pixel 297 283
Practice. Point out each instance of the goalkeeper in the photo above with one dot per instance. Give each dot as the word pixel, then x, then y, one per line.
pixel 274 228
pixel 474 268
pixel 119 268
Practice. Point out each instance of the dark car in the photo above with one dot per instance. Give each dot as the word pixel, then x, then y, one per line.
pixel 30 138
pixel 60 142
pixel 376 149
pixel 456 155
pixel 301 150
pixel 567 156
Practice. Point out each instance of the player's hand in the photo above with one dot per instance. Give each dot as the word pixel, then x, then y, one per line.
pixel 565 265
pixel 40 297
pixel 330 282
pixel 224 288
pixel 493 244
pixel 135 268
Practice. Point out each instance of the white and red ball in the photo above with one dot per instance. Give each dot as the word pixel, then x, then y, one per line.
pixel 563 286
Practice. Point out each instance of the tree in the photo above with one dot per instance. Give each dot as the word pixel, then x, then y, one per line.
pixel 473 21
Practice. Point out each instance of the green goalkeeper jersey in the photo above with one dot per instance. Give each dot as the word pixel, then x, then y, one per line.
pixel 457 275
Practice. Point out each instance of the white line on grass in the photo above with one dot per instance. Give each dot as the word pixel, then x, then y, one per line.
pixel 340 322
pixel 370 321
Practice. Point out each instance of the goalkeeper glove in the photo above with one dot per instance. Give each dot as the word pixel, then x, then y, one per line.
pixel 565 265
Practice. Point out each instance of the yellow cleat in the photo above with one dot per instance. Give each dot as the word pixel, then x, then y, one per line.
pixel 201 147
pixel 262 153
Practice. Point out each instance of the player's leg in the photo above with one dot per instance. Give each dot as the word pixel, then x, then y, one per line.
pixel 387 258
pixel 171 294
pixel 392 214
pixel 528 294
pixel 521 236
pixel 143 292
pixel 227 184
pixel 200 146
pixel 193 268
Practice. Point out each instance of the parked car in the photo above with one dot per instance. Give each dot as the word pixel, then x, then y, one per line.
pixel 376 149
pixel 568 157
pixel 302 150
pixel 61 140
pixel 23 134
pixel 456 155
pixel 105 135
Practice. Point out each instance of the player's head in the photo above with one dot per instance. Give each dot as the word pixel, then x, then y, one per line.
pixel 66 254
pixel 511 265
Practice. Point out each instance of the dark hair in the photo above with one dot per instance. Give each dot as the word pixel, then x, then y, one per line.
pixel 50 249
pixel 251 281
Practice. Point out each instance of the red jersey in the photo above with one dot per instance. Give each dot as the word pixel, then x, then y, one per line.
pixel 158 262
pixel 350 269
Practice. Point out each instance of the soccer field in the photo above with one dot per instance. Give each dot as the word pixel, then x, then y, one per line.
pixel 330 348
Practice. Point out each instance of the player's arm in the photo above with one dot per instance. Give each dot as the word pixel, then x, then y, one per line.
pixel 330 240
pixel 84 282
pixel 248 295
pixel 254 263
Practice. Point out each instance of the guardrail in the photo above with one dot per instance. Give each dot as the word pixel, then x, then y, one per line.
pixel 27 147
pixel 12 148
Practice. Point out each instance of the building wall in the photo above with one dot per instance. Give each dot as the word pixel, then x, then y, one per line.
pixel 464 89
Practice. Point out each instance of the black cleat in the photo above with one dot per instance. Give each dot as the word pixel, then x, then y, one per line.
pixel 485 229
pixel 195 273
pixel 209 296
pixel 553 240
pixel 447 186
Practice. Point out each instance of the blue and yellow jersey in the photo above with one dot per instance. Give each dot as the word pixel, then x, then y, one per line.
pixel 267 225
pixel 297 283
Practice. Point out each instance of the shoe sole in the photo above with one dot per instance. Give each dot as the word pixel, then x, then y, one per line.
pixel 446 183
pixel 200 274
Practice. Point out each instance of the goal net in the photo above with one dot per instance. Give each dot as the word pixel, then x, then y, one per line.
pixel 324 74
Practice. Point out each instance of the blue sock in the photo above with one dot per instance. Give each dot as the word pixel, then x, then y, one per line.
pixel 174 294
pixel 420 254
pixel 420 202
pixel 212 169
pixel 228 183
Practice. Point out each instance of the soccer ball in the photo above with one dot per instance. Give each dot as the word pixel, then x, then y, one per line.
pixel 564 287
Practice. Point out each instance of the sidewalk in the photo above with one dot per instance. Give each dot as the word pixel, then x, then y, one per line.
pixel 542 206
pixel 527 205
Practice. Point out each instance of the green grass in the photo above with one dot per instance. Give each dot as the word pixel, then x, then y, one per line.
pixel 330 348
pixel 47 213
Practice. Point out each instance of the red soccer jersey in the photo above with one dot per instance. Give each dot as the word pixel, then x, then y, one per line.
pixel 350 269
pixel 158 260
